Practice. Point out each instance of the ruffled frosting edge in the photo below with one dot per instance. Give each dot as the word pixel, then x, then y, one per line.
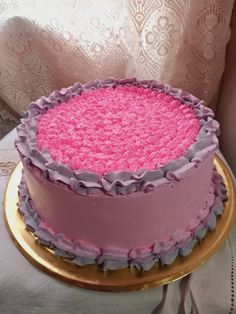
pixel 116 182
pixel 181 243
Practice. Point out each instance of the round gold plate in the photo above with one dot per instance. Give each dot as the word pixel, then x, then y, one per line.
pixel 91 277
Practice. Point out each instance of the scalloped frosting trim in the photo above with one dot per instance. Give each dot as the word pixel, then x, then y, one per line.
pixel 164 252
pixel 116 182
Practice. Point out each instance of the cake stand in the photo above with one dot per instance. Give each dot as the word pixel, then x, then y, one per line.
pixel 94 278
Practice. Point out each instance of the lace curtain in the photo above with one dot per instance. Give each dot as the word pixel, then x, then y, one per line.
pixel 51 44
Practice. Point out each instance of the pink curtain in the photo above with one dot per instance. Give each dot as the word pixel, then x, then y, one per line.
pixel 226 108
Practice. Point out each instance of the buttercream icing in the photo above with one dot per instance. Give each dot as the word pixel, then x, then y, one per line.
pixel 123 182
pixel 164 252
pixel 140 206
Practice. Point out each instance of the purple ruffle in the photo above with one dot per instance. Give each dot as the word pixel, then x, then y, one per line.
pixel 117 182
pixel 180 243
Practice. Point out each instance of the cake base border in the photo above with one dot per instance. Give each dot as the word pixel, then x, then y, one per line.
pixel 91 276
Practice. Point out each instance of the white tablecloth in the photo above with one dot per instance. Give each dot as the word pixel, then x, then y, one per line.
pixel 24 289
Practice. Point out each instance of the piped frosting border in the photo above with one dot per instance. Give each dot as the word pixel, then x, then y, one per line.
pixel 117 182
pixel 180 243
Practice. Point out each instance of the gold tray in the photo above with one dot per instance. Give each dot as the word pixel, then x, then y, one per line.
pixel 91 277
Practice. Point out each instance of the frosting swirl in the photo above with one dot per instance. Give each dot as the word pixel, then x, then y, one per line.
pixel 115 182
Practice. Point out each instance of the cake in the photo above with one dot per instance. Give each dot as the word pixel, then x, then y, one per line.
pixel 119 173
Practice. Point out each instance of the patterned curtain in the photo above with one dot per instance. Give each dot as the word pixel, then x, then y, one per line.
pixel 50 44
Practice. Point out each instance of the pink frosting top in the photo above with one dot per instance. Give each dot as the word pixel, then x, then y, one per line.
pixel 122 128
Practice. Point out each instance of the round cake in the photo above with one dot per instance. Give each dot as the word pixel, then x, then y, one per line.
pixel 119 173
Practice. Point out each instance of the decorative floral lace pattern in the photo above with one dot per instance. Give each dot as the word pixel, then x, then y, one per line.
pixel 6 168
pixel 41 52
pixel 8 120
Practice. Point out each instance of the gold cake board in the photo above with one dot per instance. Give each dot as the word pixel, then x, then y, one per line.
pixel 94 278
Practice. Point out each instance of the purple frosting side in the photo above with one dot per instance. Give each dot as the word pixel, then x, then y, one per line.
pixel 180 243
pixel 117 182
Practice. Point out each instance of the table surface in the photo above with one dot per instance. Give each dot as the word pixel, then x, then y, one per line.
pixel 24 289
